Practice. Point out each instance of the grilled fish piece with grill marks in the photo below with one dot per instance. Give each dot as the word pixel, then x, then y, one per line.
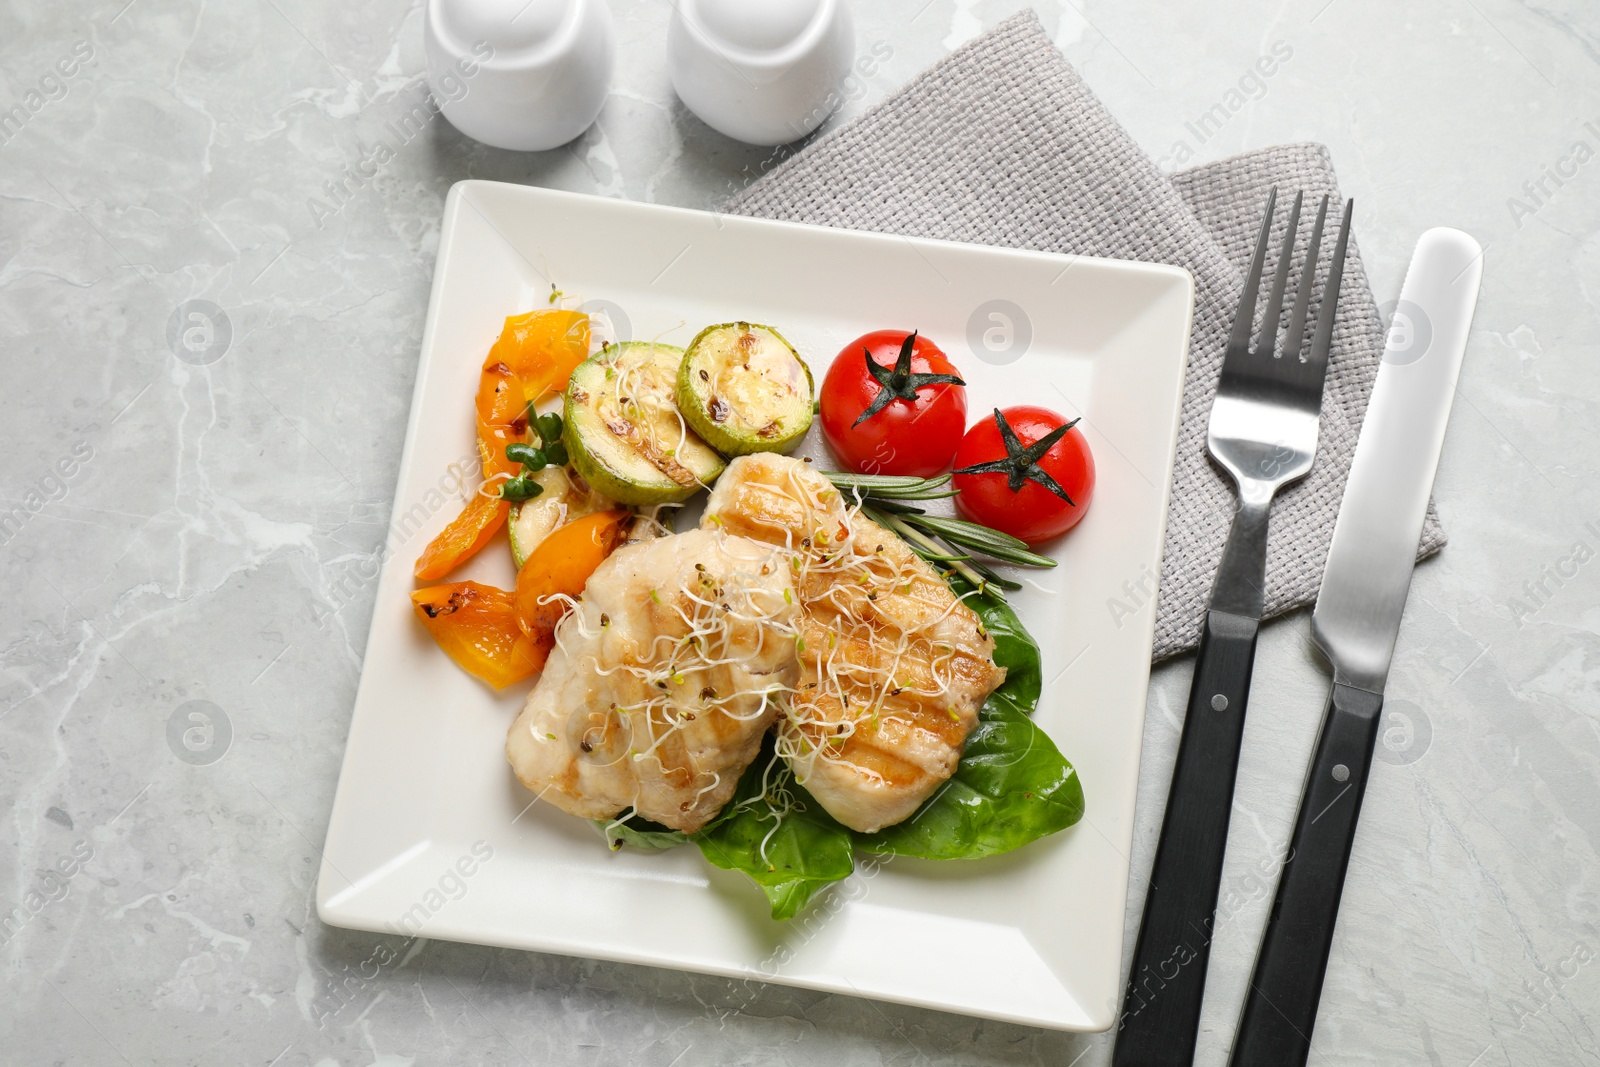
pixel 662 682
pixel 893 667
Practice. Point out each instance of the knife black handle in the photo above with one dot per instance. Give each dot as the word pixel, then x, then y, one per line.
pixel 1161 1006
pixel 1281 1005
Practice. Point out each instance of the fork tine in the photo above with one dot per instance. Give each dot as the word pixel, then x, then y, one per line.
pixel 1239 342
pixel 1294 340
pixel 1330 299
pixel 1268 344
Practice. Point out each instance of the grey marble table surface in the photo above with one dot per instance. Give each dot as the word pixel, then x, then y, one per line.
pixel 173 533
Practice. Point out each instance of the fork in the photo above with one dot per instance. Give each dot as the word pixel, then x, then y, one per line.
pixel 1263 432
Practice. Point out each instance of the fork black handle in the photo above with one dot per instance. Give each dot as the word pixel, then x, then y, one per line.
pixel 1281 1006
pixel 1166 983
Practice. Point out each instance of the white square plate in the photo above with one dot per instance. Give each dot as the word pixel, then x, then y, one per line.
pixel 431 834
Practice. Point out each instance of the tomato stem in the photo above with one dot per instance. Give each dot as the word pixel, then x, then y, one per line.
pixel 1021 462
pixel 898 383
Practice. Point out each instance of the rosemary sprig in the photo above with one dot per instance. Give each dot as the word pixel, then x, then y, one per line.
pixel 995 579
pixel 893 486
pixel 971 535
pixel 890 501
pixel 925 546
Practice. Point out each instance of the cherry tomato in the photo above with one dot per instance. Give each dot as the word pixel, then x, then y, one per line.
pixel 1008 482
pixel 892 403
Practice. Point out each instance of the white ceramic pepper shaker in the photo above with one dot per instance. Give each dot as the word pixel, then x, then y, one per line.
pixel 766 72
pixel 527 75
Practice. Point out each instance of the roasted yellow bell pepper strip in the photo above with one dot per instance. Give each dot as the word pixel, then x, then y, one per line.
pixel 477 626
pixel 562 564
pixel 534 356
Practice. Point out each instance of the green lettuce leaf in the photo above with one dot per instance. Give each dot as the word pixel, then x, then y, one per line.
pixel 1012 785
pixel 641 833
pixel 792 851
pixel 1014 649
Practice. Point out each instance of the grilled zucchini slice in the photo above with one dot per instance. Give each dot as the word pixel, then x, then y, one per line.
pixel 566 497
pixel 743 388
pixel 623 431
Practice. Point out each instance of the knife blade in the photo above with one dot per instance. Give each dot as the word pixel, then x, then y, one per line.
pixel 1355 624
pixel 1374 546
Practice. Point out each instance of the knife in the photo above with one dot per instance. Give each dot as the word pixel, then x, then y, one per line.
pixel 1356 620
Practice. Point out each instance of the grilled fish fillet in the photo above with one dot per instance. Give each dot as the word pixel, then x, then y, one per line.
pixel 662 682
pixel 893 667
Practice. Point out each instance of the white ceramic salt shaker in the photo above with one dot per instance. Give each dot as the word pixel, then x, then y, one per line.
pixel 765 73
pixel 520 74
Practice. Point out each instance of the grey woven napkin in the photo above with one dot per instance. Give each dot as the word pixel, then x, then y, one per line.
pixel 1011 148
